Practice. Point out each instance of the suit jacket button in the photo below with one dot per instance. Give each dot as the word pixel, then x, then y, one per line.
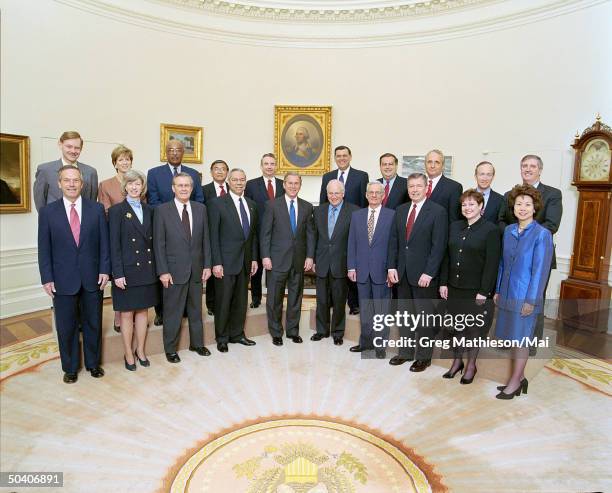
pixel 138 263
pixel 133 239
pixel 148 249
pixel 137 251
pixel 457 275
pixel 149 261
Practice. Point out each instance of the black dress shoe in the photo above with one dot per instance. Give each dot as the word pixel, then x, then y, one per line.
pixel 277 341
pixel 255 304
pixel 354 310
pixel 202 351
pixel 338 341
pixel 159 320
pixel 381 353
pixel 357 349
pixel 451 374
pixel 296 339
pixel 70 377
pixel 420 365
pixel 244 341
pixel 117 328
pixel 129 367
pixel 317 337
pixel 96 372
pixel 398 360
pixel 222 347
pixel 143 362
pixel 467 381
pixel 173 358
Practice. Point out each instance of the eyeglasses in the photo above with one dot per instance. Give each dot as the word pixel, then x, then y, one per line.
pixel 174 151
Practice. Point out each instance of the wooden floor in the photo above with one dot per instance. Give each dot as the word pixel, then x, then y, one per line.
pixel 24 327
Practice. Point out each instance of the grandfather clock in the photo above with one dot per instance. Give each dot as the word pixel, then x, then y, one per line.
pixel 585 295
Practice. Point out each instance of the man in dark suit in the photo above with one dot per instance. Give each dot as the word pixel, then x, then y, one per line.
pixel 493 201
pixel 74 263
pixel 45 185
pixel 261 189
pixel 287 250
pixel 233 242
pixel 440 189
pixel 395 186
pixel 216 188
pixel 368 243
pixel 548 216
pixel 332 220
pixel 416 250
pixel 183 258
pixel 160 190
pixel 355 182
pixel 159 179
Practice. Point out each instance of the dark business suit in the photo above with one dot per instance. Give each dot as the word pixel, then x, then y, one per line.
pixel 370 263
pixel 235 252
pixel 494 204
pixel 447 193
pixel 74 269
pixel 398 194
pixel 184 259
pixel 210 193
pixel 159 185
pixel 256 190
pixel 355 193
pixel 132 257
pixel 421 254
pixel 288 252
pixel 330 261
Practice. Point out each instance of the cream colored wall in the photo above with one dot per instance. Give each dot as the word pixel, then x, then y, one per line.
pixel 497 96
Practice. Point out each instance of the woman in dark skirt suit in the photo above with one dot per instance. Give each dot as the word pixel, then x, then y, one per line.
pixel 468 275
pixel 135 287
pixel 521 281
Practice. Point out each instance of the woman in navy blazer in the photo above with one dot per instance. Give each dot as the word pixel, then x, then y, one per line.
pixel 521 280
pixel 135 287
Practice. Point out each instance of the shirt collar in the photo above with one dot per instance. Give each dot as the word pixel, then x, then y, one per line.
pixel 65 163
pixel 67 203
pixel 338 207
pixel 235 197
pixel 179 168
pixel 179 204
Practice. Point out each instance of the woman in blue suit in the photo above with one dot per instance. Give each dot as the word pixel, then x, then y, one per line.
pixel 523 271
pixel 135 287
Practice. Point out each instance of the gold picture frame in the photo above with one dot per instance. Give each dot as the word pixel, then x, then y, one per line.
pixel 302 139
pixel 14 174
pixel 191 137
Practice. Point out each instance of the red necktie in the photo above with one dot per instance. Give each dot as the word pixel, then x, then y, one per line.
pixel 429 189
pixel 222 193
pixel 75 225
pixel 270 190
pixel 386 197
pixel 410 222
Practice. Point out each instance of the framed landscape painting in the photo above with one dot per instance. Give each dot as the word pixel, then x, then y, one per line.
pixel 14 174
pixel 413 163
pixel 302 139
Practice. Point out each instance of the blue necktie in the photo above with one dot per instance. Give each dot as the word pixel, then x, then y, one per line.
pixel 342 176
pixel 332 222
pixel 246 227
pixel 292 218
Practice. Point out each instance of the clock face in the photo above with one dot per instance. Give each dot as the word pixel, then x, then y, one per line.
pixel 595 165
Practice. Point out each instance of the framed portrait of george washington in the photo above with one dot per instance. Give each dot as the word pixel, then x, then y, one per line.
pixel 14 173
pixel 302 139
pixel 191 137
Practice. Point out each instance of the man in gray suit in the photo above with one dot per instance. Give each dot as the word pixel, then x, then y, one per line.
pixel 287 250
pixel 46 189
pixel 183 258
pixel 332 220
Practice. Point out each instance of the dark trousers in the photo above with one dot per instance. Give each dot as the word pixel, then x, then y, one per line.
pixel 256 283
pixel 374 300
pixel 331 294
pixel 231 294
pixel 417 300
pixel 210 294
pixel 294 280
pixel 353 296
pixel 84 309
pixel 179 298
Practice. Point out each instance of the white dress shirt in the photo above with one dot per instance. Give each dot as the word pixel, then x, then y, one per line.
pixel 434 182
pixel 66 163
pixel 346 173
pixel 272 180
pixel 178 168
pixel 78 205
pixel 416 212
pixel 218 188
pixel 376 215
pixel 237 205
pixel 179 208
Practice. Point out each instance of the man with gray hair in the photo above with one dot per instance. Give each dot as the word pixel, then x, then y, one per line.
pixel 287 250
pixel 183 260
pixel 332 220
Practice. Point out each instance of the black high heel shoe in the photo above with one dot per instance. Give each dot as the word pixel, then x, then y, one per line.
pixel 524 384
pixel 522 388
pixel 143 362
pixel 131 367
pixel 451 374
pixel 467 381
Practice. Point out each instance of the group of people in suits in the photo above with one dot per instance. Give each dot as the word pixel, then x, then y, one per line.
pixel 405 242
